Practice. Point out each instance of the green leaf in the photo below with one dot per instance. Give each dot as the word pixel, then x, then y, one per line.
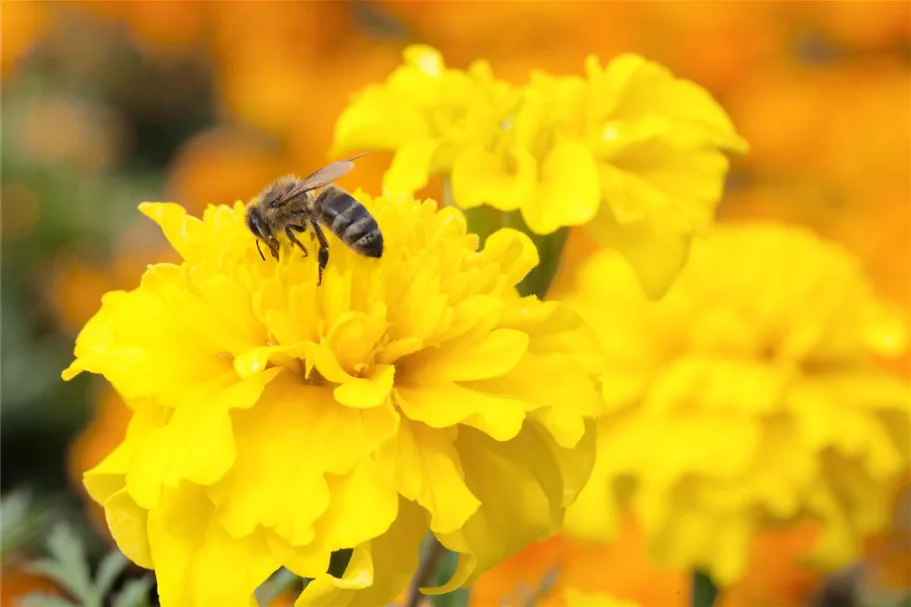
pixel 14 508
pixel 704 591
pixel 68 568
pixel 22 522
pixel 67 565
pixel 111 567
pixel 135 593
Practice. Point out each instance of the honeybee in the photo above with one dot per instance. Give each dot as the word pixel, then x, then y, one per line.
pixel 289 205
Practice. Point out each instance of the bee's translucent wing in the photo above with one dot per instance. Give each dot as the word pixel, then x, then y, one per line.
pixel 327 174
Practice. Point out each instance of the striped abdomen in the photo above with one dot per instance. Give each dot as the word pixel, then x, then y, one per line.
pixel 350 221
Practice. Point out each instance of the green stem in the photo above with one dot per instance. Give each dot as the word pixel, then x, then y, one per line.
pixel 427 566
pixel 281 581
pixel 704 591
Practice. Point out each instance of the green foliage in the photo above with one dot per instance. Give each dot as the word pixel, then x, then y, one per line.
pixel 902 602
pixel 704 592
pixel 21 522
pixel 67 566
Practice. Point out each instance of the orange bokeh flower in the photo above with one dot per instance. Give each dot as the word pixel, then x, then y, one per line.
pixel 77 283
pixel 18 583
pixel 218 165
pixel 861 25
pixel 157 27
pixel 24 23
pixel 622 568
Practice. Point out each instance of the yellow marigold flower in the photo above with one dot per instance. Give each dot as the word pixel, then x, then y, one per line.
pixel 427 113
pixel 275 421
pixel 629 151
pixel 748 396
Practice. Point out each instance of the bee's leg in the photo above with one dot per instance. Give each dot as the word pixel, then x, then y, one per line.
pixel 258 248
pixel 289 232
pixel 274 247
pixel 323 255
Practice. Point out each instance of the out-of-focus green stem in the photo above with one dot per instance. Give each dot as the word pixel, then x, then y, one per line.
pixel 427 567
pixel 703 591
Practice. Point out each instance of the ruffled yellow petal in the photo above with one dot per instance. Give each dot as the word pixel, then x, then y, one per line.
pixel 568 193
pixel 446 404
pixel 513 251
pixel 129 527
pixel 364 505
pixel 546 476
pixel 196 561
pixel 657 247
pixel 428 470
pixel 378 570
pixel 197 444
pixel 630 87
pixel 304 421
pixel 410 167
pixel 365 125
pixel 595 514
pixel 359 392
pixel 480 177
pixel 109 476
pixel 471 357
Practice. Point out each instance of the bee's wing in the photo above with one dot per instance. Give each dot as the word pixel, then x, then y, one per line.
pixel 327 174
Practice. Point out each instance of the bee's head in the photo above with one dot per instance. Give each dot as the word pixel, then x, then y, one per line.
pixel 255 221
pixel 257 224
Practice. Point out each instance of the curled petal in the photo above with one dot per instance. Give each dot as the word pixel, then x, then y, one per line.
pixel 196 444
pixel 447 404
pixel 513 251
pixel 325 440
pixel 410 167
pixel 128 524
pixel 533 466
pixel 196 561
pixel 378 569
pixel 480 177
pixel 366 125
pixel 568 193
pixel 428 470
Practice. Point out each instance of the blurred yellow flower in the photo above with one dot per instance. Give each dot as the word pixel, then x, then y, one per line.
pixel 275 421
pixel 429 114
pixel 579 599
pixel 747 397
pixel 629 151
